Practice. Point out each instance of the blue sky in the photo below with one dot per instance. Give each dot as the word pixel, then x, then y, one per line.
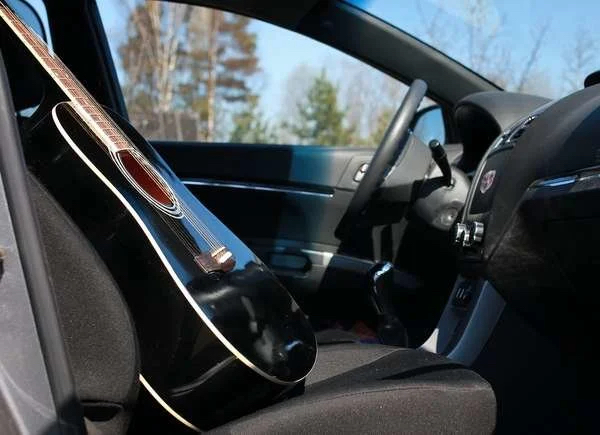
pixel 281 52
pixel 517 20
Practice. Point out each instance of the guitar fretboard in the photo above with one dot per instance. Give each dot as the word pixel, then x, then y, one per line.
pixel 102 125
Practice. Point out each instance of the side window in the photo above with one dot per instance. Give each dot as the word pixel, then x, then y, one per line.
pixel 191 73
pixel 33 12
pixel 26 84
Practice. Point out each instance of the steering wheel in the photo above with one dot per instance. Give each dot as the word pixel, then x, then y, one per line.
pixel 394 141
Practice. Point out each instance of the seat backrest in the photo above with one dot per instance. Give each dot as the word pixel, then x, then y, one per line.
pixel 96 324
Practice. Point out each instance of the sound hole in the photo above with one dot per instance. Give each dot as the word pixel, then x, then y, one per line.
pixel 148 182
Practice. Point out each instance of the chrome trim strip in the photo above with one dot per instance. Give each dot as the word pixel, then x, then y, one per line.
pixel 556 182
pixel 252 186
pixel 588 177
pixel 580 177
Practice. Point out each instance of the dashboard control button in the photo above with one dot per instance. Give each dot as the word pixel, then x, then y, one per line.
pixel 476 230
pixel 467 235
pixel 459 233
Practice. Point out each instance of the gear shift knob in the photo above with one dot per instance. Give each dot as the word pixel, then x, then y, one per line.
pixel 390 330
pixel 380 276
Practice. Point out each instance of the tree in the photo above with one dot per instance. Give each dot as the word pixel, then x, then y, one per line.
pixel 183 64
pixel 149 57
pixel 476 40
pixel 220 59
pixel 370 98
pixel 577 58
pixel 320 120
pixel 249 126
pixel 381 125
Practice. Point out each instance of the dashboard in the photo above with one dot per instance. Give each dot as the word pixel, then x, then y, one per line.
pixel 530 222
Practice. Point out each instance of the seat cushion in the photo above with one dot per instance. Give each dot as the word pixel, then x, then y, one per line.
pixel 357 388
pixel 333 336
pixel 96 324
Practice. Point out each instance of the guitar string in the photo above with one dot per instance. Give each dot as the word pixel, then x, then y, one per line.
pixel 190 215
pixel 190 244
pixel 174 224
pixel 180 235
pixel 196 224
pixel 200 226
pixel 184 235
pixel 194 220
pixel 211 245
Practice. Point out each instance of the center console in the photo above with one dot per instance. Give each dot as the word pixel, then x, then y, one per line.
pixel 467 321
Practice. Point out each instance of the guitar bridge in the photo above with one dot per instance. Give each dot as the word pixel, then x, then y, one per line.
pixel 218 260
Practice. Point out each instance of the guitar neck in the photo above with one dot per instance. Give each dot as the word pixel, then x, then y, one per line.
pixel 85 105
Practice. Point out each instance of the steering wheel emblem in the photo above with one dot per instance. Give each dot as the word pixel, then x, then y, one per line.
pixel 487 181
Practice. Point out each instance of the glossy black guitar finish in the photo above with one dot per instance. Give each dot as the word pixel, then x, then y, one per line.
pixel 213 345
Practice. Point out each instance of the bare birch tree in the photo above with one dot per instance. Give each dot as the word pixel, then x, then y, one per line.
pixel 578 58
pixel 182 64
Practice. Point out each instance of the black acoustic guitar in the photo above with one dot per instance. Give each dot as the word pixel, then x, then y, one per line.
pixel 219 335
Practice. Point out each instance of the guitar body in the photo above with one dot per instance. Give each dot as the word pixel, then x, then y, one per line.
pixel 218 335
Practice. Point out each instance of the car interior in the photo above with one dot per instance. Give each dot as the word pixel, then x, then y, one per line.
pixel 444 283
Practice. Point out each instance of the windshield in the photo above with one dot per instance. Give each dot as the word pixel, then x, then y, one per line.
pixel 542 47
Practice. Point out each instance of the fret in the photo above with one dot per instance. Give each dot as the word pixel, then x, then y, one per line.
pixel 33 41
pixel 58 71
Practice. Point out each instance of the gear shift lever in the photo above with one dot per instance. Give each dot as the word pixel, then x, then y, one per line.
pixel 390 329
pixel 441 159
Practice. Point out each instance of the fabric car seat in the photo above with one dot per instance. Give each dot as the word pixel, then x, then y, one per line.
pixel 353 387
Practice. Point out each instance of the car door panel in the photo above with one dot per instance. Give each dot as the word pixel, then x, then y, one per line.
pixel 283 201
pixel 270 192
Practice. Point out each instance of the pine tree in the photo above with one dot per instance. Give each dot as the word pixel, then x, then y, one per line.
pixel 249 126
pixel 320 120
pixel 220 58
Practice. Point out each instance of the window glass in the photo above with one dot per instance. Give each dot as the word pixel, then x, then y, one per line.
pixel 27 11
pixel 34 14
pixel 199 74
pixel 543 47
